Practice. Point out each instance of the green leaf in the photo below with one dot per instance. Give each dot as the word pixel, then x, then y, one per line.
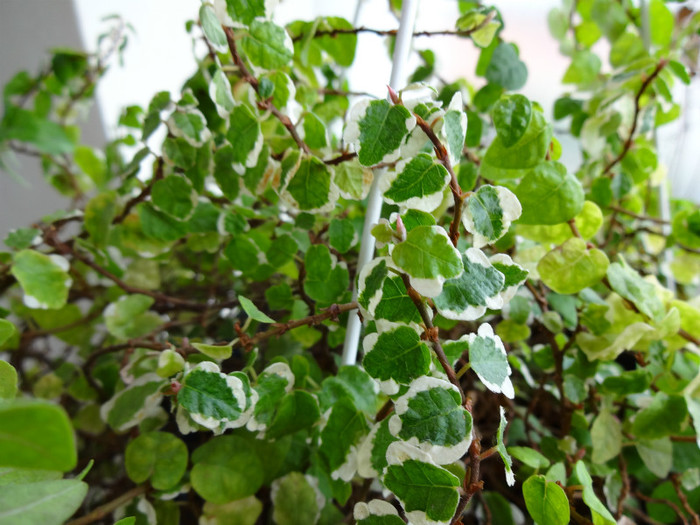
pixel 129 318
pixel 501 162
pixel 529 457
pixel 377 128
pixel 212 28
pixel 226 468
pixel 488 359
pixel 488 213
pixel 160 456
pixel 549 195
pixel 36 435
pixel 138 401
pixel 99 214
pixel 630 285
pixel 45 502
pixel 215 400
pixel 467 297
pixel 245 11
pixel 353 180
pixel 341 46
pixel 505 68
pixel 8 375
pixel 190 125
pixel 376 512
pixel 394 303
pixel 217 352
pixel 7 330
pixel 662 417
pixel 417 184
pixel 588 222
pixel 174 196
pixel 44 279
pixel 326 279
pixel 606 435
pixel 298 410
pixel 428 257
pixel 315 134
pixel 159 226
pixel 267 45
pixel 572 267
pixel 170 363
pixel 17 476
pixel 396 356
pixel 253 311
pixel 310 188
pixel 546 501
pixel 657 455
pixel 274 382
pixel 626 49
pixel 511 117
pixel 341 234
pixel 455 127
pixel 344 430
pixel 601 515
pixel 294 500
pixel 351 382
pixel 425 490
pixel 245 511
pixel 23 238
pixel 224 174
pixel 245 136
pixel 502 451
pixel 432 413
pixel 661 31
pixel 25 126
pixel 220 94
pixel 584 68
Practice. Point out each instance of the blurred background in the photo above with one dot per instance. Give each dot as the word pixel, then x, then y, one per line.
pixel 160 57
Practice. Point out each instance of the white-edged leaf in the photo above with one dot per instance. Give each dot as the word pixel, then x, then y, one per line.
pixel 376 128
pixel 417 183
pixel 488 213
pixel 479 287
pixel 431 417
pixel 488 359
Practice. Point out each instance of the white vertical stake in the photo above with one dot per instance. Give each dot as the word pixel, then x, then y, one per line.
pixel 374 204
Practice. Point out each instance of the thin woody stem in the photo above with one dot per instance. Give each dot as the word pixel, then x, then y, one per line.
pixel 607 171
pixel 263 104
pixel 431 333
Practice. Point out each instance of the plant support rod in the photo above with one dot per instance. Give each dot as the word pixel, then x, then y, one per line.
pixel 374 204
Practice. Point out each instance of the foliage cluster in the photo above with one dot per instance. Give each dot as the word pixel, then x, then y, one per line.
pixel 171 343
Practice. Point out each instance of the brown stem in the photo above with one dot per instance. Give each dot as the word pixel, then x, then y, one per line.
pixel 65 249
pixel 625 487
pixel 623 211
pixel 684 499
pixel 263 104
pixel 474 484
pixel 343 157
pixel 393 32
pixel 663 501
pixel 280 328
pixel 574 228
pixel 444 158
pixel 432 335
pixel 607 171
pixel 143 195
pixel 104 510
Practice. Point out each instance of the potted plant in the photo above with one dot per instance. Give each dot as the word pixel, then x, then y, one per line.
pixel 177 345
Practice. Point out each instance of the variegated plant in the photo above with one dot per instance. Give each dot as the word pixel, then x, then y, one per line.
pixel 171 344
